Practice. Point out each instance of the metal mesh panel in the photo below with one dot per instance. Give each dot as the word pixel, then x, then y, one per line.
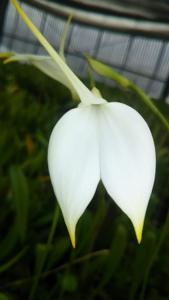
pixel 113 47
pixel 144 60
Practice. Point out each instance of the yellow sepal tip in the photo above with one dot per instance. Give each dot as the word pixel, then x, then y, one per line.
pixel 138 232
pixel 72 237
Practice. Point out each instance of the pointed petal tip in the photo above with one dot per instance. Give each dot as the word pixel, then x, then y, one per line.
pixel 139 237
pixel 138 231
pixel 73 240
pixel 72 236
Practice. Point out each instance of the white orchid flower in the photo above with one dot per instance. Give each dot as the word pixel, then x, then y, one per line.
pixel 97 141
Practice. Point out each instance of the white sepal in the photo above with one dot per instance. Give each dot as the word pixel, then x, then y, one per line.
pixel 73 159
pixel 44 63
pixel 127 160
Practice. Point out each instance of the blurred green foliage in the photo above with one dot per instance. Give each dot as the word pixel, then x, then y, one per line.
pixel 107 262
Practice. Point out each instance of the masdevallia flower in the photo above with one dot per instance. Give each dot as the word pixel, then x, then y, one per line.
pixel 97 141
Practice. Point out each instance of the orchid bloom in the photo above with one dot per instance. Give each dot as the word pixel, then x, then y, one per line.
pixel 96 141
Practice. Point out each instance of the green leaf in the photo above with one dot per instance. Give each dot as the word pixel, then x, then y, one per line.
pixel 20 192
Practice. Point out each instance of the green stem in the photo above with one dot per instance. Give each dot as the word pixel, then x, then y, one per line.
pixel 154 256
pixel 79 260
pixel 146 99
pixel 44 256
pixel 14 260
pixel 106 71
pixel 98 221
pixel 63 37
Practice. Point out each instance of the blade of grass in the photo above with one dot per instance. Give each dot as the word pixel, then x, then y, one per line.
pixel 8 243
pixel 63 37
pixel 79 260
pixel 96 226
pixel 13 260
pixel 44 256
pixel 20 192
pixel 164 234
pixel 117 252
pixel 143 256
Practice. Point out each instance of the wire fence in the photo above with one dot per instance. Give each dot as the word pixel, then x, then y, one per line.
pixel 144 60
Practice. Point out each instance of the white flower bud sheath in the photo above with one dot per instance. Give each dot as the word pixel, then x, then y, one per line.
pixel 96 141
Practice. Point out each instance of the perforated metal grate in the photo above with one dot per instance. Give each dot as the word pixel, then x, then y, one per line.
pixel 145 60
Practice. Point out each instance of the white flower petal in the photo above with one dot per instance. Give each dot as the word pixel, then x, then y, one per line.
pixel 127 158
pixel 73 159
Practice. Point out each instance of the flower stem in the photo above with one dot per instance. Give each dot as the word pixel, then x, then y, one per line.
pixel 146 99
pixel 106 71
pixel 44 256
